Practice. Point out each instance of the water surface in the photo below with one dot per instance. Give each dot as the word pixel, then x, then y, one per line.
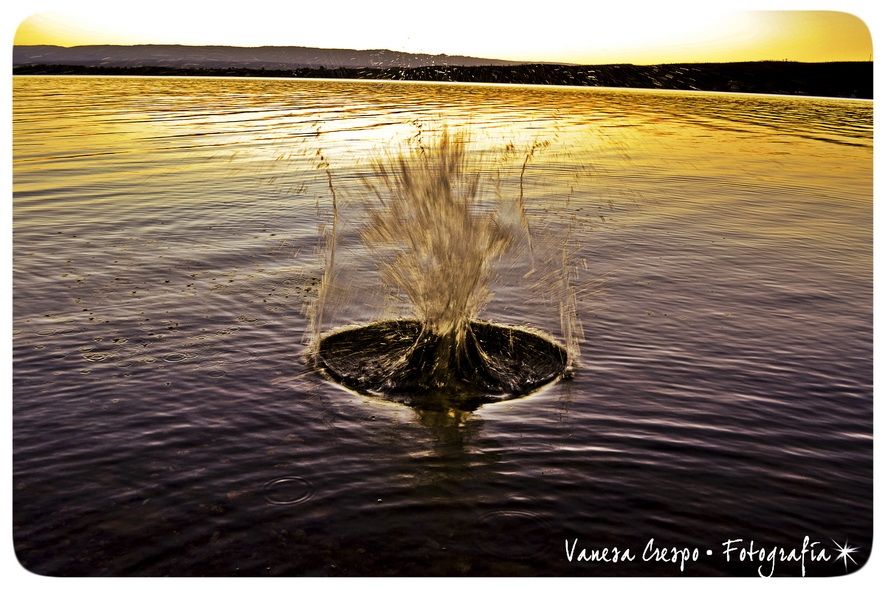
pixel 168 242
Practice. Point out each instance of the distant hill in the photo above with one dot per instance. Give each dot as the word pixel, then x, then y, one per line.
pixel 834 79
pixel 268 58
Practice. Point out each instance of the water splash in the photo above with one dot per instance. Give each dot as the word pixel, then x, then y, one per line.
pixel 436 238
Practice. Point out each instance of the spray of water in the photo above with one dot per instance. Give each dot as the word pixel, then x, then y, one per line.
pixel 428 213
pixel 436 237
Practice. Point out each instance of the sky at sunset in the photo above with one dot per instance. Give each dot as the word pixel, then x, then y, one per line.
pixel 567 31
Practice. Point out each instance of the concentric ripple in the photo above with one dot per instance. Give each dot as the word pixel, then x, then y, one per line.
pixel 288 490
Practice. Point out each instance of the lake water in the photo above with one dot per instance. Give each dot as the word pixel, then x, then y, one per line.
pixel 171 235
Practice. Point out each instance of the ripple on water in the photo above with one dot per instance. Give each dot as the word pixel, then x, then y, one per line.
pixel 513 534
pixel 59 331
pixel 178 357
pixel 97 357
pixel 288 490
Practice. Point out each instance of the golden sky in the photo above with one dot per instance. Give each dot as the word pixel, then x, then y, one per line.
pixel 572 31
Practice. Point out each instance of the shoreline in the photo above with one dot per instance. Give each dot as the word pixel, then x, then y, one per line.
pixel 829 79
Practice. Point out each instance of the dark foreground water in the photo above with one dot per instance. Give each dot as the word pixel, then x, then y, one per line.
pixel 168 246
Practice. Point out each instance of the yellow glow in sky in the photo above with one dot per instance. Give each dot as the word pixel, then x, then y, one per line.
pixel 569 31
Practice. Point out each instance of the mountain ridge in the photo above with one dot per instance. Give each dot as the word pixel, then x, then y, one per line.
pixel 270 57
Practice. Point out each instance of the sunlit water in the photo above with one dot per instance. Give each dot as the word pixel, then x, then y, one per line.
pixel 170 237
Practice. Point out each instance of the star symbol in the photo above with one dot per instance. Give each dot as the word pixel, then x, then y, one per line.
pixel 845 552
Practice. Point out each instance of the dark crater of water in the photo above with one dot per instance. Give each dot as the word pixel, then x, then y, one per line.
pixel 397 361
